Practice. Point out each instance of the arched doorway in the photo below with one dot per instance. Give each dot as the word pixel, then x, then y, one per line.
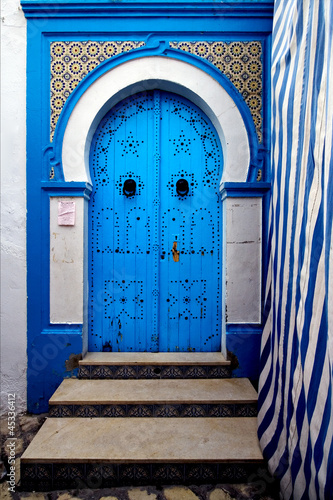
pixel 155 227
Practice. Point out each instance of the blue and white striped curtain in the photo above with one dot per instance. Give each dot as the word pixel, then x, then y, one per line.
pixel 296 382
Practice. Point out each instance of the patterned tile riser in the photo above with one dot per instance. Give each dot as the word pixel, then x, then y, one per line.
pixel 240 62
pixel 153 372
pixel 45 477
pixel 154 410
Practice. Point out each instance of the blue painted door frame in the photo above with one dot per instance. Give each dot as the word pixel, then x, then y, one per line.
pixel 50 345
pixel 155 269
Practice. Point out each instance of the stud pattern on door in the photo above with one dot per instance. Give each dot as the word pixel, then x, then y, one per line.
pixel 155 228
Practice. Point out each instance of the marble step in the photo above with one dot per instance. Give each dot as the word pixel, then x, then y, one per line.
pixel 154 398
pixel 104 452
pixel 118 365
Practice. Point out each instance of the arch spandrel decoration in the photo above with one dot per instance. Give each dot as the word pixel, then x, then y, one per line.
pixel 72 61
pixel 144 73
pixel 239 61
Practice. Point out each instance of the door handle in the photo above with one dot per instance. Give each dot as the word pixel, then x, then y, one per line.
pixel 129 187
pixel 182 187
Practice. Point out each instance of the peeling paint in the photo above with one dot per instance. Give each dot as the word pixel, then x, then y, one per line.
pixel 107 347
pixel 241 242
pixel 68 261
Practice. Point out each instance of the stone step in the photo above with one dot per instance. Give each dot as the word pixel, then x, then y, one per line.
pixel 154 398
pixel 104 452
pixel 118 365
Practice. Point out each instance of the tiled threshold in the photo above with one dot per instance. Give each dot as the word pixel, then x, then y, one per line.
pixel 117 365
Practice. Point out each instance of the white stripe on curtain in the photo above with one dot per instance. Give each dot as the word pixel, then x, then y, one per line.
pixel 295 389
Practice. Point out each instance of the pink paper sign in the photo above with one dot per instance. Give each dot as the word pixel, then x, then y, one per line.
pixel 66 213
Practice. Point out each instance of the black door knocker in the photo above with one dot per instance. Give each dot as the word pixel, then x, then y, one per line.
pixel 182 187
pixel 129 187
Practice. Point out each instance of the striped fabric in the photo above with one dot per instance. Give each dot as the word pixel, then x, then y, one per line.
pixel 296 383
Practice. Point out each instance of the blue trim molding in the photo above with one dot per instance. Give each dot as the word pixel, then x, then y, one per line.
pixel 160 28
pixel 244 189
pixel 62 188
pixel 240 9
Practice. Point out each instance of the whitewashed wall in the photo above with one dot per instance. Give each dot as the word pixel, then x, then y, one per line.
pixel 66 264
pixel 243 260
pixel 13 204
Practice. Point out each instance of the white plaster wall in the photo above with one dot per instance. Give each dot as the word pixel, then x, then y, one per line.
pixel 243 260
pixel 66 264
pixel 13 205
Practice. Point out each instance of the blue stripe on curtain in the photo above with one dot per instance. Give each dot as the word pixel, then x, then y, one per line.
pixel 295 422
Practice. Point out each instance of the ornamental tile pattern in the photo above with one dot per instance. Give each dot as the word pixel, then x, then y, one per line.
pixel 45 477
pixel 240 62
pixel 153 372
pixel 72 61
pixel 155 410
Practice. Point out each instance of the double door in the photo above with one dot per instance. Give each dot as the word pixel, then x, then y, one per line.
pixel 155 228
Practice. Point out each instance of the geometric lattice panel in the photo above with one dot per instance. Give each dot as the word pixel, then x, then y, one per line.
pixel 238 61
pixel 72 61
pixel 241 62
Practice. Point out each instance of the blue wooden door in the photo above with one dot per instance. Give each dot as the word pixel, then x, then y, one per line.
pixel 155 228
